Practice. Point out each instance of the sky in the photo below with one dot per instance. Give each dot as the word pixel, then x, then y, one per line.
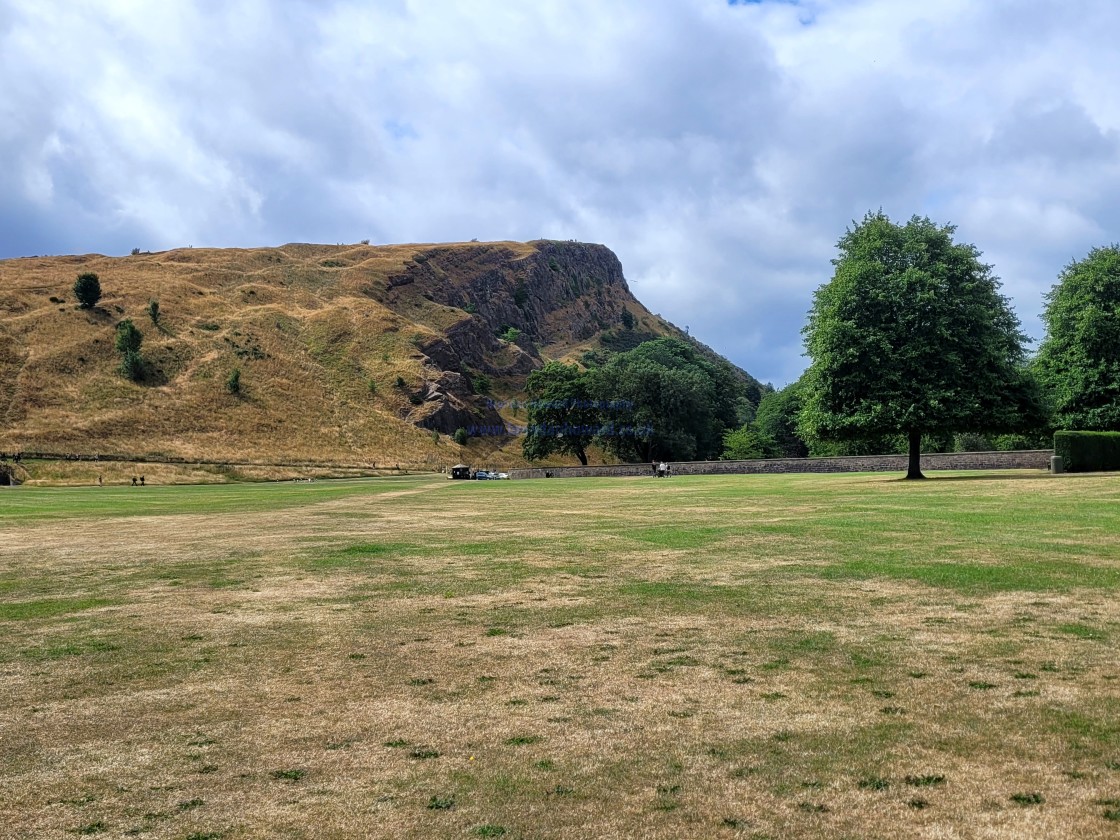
pixel 720 149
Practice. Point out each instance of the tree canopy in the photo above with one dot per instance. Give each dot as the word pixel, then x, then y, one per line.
pixel 662 400
pixel 563 416
pixel 1079 358
pixel 776 422
pixel 912 336
pixel 675 403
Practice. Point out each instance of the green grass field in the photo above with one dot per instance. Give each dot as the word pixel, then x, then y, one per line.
pixel 733 656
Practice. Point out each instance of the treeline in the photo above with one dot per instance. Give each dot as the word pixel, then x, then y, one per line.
pixel 661 400
pixel 912 348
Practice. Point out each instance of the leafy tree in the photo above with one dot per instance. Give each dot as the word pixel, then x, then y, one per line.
pixel 912 336
pixel 87 289
pixel 676 404
pixel 563 417
pixel 1079 359
pixel 775 421
pixel 461 437
pixel 744 444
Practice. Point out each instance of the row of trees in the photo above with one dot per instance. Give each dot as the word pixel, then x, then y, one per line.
pixel 911 337
pixel 661 400
pixel 911 342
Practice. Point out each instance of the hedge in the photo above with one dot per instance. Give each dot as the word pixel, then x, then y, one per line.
pixel 1088 451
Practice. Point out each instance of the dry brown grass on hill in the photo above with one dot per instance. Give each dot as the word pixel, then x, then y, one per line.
pixel 318 349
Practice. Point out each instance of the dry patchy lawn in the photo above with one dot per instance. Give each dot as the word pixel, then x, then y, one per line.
pixel 742 656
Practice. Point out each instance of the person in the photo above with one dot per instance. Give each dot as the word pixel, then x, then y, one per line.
pixel 100 483
pixel 134 481
pixel 661 470
pixel 653 468
pixel 668 470
pixel 141 481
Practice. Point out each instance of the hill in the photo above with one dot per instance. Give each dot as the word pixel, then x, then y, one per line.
pixel 347 353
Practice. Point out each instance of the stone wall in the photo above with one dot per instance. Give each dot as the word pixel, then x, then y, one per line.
pixel 1034 459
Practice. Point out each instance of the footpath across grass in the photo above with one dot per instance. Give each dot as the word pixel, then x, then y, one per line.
pixel 719 656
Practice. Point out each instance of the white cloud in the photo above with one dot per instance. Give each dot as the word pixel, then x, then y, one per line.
pixel 720 149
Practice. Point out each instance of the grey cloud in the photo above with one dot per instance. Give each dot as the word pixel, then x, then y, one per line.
pixel 720 150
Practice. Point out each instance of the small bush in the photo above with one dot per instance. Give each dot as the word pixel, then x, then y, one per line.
pixel 461 436
pixel 482 383
pixel 233 382
pixel 293 775
pixel 1088 451
pixel 511 334
pixel 627 319
pixel 1014 443
pixel 153 311
pixel 135 252
pixel 415 399
pixel 400 383
pixel 132 365
pixel 128 338
pixel 87 289
pixel 972 442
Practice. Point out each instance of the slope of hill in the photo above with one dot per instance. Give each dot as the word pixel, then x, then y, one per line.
pixel 347 354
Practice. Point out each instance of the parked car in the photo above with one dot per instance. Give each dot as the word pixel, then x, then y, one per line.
pixel 483 475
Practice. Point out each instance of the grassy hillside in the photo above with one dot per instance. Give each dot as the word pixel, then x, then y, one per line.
pixel 345 353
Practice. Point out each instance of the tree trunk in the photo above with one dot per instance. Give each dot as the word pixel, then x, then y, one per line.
pixel 914 467
pixel 582 456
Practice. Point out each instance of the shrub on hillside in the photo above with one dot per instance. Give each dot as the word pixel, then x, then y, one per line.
pixel 128 338
pixel 132 365
pixel 233 382
pixel 1088 451
pixel 87 289
pixel 461 436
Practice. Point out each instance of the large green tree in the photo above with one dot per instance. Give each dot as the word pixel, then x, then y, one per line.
pixel 912 336
pixel 1079 359
pixel 563 416
pixel 669 402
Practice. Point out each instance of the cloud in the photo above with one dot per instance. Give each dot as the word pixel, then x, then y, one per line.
pixel 719 148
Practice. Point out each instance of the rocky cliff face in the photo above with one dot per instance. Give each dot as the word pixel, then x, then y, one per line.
pixel 559 294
